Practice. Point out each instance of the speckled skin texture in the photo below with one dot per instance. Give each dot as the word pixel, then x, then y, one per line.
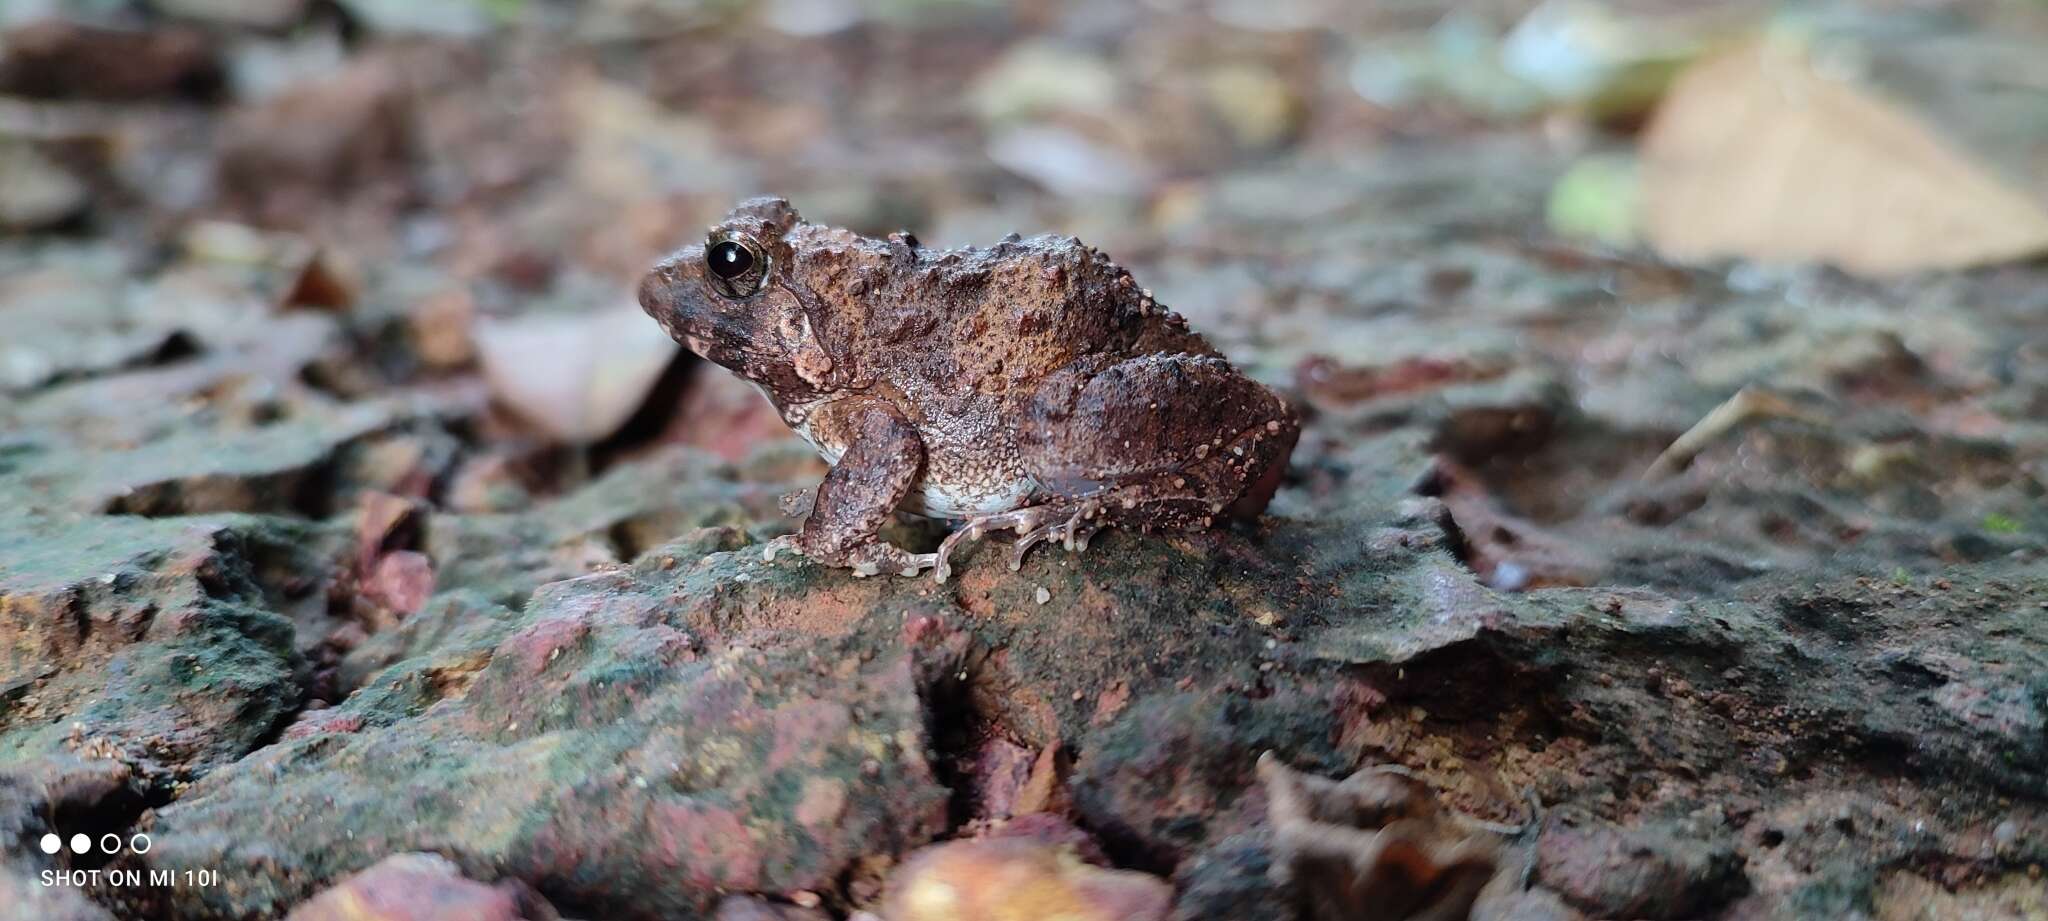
pixel 1031 385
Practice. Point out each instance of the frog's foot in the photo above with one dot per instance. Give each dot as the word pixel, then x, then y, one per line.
pixel 865 558
pixel 1071 522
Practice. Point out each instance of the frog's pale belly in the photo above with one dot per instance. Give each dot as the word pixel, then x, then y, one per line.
pixel 949 500
pixel 954 486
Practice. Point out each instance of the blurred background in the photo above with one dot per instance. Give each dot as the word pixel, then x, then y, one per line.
pixel 1676 385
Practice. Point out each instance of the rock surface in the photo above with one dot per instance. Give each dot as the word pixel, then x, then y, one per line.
pixel 1636 874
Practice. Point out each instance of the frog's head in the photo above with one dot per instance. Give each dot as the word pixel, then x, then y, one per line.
pixel 738 301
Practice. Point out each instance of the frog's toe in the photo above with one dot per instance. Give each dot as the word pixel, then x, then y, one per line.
pixel 1030 539
pixel 787 542
pixel 1080 526
pixel 1023 520
pixel 914 563
pixel 879 557
pixel 942 568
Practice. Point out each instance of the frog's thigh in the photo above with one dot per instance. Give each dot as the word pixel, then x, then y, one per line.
pixel 1171 427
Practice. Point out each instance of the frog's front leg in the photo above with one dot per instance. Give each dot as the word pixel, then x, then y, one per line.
pixel 883 459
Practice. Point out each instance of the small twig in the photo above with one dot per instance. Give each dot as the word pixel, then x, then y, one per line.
pixel 1535 822
pixel 1747 405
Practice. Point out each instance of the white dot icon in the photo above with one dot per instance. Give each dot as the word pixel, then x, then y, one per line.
pixel 52 843
pixel 80 844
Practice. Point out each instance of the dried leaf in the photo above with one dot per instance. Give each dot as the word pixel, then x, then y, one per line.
pixel 1372 846
pixel 384 523
pixel 1018 879
pixel 322 280
pixel 1756 155
pixel 578 377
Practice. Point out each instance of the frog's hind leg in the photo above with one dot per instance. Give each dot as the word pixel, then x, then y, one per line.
pixel 1160 441
pixel 1165 442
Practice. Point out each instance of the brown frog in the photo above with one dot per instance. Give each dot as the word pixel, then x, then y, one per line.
pixel 1031 385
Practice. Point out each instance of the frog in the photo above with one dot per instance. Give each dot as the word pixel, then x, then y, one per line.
pixel 1031 386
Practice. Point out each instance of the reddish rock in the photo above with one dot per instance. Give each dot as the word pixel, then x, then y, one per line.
pixel 995 774
pixel 320 722
pixel 1613 872
pixel 594 754
pixel 401 582
pixel 1172 774
pixel 422 887
pixel 752 908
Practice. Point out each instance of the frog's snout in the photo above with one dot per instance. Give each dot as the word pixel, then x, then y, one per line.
pixel 673 294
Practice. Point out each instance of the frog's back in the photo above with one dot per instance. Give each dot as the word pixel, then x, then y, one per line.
pixel 1012 314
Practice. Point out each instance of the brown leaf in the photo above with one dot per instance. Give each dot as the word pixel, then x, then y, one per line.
pixel 1755 155
pixel 384 523
pixel 322 280
pixel 577 377
pixel 1374 845
pixel 1045 790
pixel 1018 879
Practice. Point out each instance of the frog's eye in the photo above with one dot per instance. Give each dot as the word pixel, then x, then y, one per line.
pixel 737 264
